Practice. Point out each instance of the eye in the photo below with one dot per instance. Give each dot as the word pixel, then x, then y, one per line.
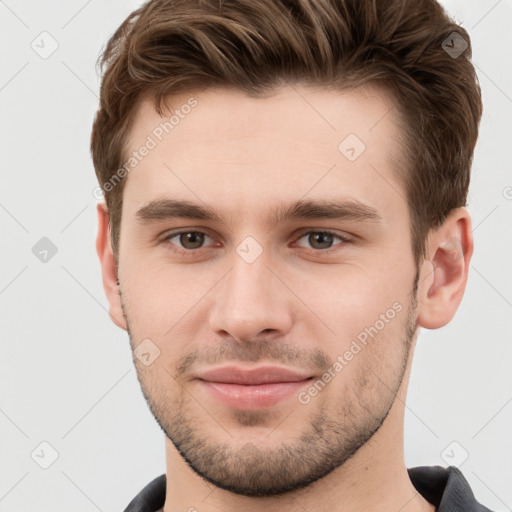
pixel 189 240
pixel 322 240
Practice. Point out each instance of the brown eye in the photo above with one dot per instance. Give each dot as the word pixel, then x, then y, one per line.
pixel 187 240
pixel 323 240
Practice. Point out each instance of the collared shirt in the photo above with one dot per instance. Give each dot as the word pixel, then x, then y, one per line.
pixel 445 488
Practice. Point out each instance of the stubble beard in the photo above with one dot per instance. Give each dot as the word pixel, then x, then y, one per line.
pixel 329 439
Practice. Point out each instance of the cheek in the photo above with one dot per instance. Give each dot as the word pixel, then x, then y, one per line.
pixel 356 302
pixel 157 296
pixel 368 318
pixel 369 352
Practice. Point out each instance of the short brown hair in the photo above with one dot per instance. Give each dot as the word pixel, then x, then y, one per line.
pixel 172 46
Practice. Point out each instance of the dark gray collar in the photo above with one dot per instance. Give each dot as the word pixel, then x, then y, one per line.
pixel 446 488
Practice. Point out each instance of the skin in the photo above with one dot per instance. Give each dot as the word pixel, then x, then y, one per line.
pixel 295 306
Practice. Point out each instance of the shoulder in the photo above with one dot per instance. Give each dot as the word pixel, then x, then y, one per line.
pixel 151 498
pixel 446 488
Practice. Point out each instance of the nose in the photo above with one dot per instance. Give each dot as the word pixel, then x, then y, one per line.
pixel 251 300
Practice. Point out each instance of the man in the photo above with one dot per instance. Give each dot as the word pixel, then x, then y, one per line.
pixel 285 186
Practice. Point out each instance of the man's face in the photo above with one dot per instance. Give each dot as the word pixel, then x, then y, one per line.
pixel 248 290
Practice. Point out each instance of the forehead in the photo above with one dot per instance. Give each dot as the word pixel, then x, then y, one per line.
pixel 236 115
pixel 223 146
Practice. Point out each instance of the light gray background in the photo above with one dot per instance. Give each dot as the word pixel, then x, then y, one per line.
pixel 66 371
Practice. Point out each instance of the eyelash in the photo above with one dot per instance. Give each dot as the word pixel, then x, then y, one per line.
pixel 344 240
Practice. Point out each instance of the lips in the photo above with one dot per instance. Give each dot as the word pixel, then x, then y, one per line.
pixel 249 389
pixel 252 377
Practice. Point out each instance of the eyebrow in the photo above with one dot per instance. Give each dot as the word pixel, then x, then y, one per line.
pixel 347 209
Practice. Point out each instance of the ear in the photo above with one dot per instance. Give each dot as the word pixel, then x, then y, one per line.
pixel 108 267
pixel 444 272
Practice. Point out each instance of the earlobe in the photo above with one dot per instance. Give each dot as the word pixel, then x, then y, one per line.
pixel 108 268
pixel 444 273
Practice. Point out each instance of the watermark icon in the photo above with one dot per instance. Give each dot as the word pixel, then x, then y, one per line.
pixel 146 352
pixel 44 250
pixel 304 397
pixel 507 193
pixel 454 454
pixel 152 140
pixel 351 147
pixel 454 45
pixel 45 45
pixel 44 455
pixel 248 451
pixel 249 249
